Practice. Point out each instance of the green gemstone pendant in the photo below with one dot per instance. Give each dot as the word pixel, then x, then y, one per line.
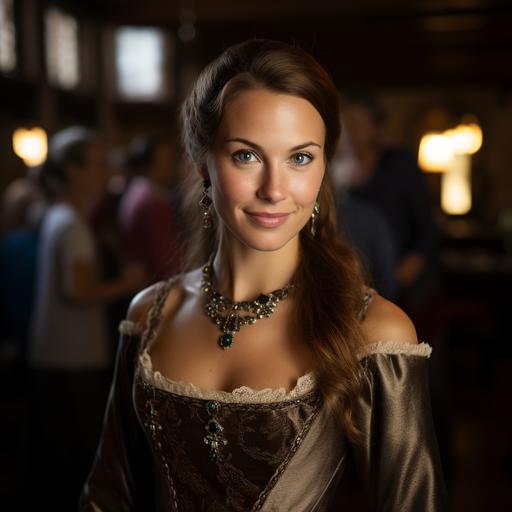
pixel 263 299
pixel 213 407
pixel 230 316
pixel 225 341
pixel 214 438
pixel 214 427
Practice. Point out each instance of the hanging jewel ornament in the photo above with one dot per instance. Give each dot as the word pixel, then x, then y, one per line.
pixel 230 316
pixel 205 203
pixel 214 438
pixel 314 217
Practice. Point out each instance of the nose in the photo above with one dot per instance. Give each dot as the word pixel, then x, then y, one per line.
pixel 272 187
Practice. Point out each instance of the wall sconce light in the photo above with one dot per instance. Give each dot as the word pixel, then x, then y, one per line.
pixel 450 153
pixel 456 186
pixel 31 145
pixel 435 153
pixel 465 138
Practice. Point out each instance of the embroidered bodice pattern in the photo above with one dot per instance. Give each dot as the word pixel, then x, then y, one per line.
pixel 221 450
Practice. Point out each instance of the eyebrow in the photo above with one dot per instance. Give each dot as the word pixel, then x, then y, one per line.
pixel 259 148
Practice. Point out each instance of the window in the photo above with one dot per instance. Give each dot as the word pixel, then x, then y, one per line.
pixel 7 37
pixel 139 58
pixel 62 49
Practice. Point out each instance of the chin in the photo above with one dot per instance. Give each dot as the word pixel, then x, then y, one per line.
pixel 265 241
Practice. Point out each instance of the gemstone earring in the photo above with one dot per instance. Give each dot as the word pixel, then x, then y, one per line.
pixel 204 204
pixel 314 217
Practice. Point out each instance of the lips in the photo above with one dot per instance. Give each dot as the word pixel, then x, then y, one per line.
pixel 268 220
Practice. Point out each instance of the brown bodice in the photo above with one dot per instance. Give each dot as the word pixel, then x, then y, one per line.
pixel 169 446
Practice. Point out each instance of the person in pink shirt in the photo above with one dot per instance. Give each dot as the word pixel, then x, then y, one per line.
pixel 147 214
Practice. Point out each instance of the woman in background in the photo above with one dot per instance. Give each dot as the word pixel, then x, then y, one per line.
pixel 258 377
pixel 69 353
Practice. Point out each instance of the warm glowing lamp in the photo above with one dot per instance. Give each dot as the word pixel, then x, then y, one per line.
pixel 31 145
pixel 435 153
pixel 465 138
pixel 450 153
pixel 456 186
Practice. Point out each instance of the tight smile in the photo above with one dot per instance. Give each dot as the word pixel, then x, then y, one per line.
pixel 268 220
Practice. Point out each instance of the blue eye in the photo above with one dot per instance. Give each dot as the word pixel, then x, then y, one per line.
pixel 301 158
pixel 243 156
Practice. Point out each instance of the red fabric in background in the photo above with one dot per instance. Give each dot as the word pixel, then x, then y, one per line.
pixel 148 222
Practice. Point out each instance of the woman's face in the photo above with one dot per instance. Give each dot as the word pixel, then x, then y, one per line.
pixel 266 167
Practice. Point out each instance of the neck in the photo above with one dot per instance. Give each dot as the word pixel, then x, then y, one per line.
pixel 242 273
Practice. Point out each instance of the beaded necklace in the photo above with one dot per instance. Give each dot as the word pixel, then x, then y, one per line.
pixel 230 316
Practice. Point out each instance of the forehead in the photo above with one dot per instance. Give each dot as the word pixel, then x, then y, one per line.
pixel 271 118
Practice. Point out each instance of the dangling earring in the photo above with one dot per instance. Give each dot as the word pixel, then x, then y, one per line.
pixel 314 217
pixel 204 204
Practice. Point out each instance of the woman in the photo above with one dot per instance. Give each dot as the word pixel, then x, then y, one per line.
pixel 244 383
pixel 69 353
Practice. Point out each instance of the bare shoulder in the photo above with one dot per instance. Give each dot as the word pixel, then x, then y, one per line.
pixel 176 289
pixel 142 302
pixel 385 321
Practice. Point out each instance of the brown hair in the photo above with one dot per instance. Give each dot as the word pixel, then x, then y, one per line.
pixel 330 280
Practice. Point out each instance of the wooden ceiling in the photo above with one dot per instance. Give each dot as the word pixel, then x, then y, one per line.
pixel 169 11
pixel 361 41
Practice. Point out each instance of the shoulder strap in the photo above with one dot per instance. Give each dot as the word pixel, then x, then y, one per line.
pixel 370 292
pixel 154 313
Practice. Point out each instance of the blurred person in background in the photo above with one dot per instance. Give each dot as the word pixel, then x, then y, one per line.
pixel 366 228
pixel 21 207
pixel 69 354
pixel 364 224
pixel 20 204
pixel 103 218
pixel 390 179
pixel 148 212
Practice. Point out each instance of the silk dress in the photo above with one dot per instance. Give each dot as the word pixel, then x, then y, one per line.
pixel 171 446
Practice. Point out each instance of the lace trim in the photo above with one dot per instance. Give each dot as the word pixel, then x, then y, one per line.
pixel 397 347
pixel 243 394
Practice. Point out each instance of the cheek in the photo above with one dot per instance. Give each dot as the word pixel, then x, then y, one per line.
pixel 306 188
pixel 306 191
pixel 231 187
pixel 228 192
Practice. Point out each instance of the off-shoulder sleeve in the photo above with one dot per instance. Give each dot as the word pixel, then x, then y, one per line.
pixel 120 479
pixel 399 461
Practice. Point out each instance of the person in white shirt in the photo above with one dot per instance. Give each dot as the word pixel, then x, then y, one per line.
pixel 69 354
